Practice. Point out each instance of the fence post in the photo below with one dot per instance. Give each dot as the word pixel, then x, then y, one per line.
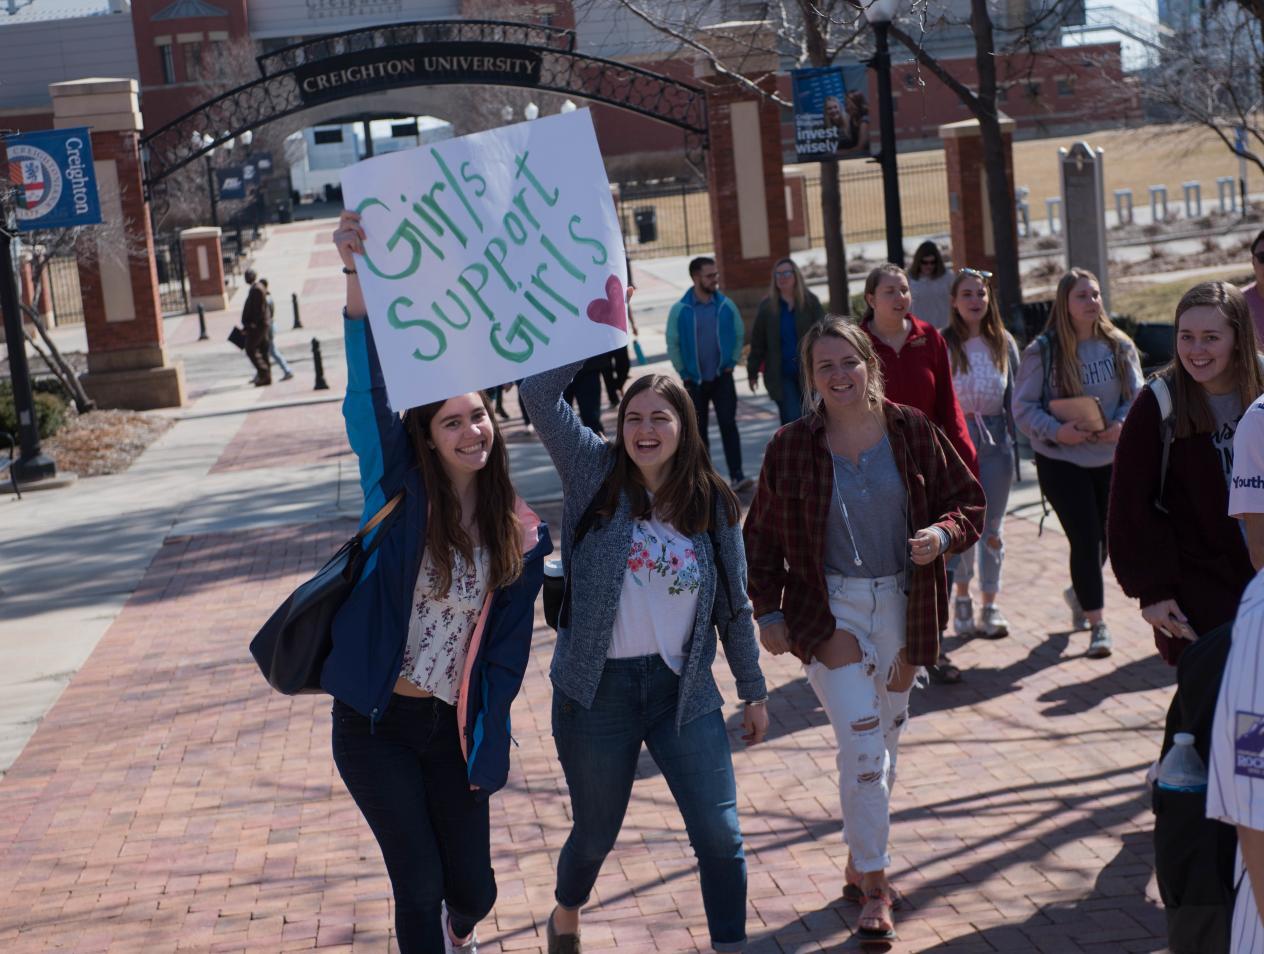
pixel 321 383
pixel 294 301
pixel 202 335
pixel 1227 194
pixel 1053 212
pixel 684 211
pixel 1193 199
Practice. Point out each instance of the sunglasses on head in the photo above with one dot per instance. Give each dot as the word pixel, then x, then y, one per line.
pixel 976 273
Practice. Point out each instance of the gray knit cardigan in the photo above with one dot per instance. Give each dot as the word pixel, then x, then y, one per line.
pixel 584 460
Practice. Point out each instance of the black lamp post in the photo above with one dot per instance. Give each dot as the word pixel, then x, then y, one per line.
pixel 205 140
pixel 32 463
pixel 879 13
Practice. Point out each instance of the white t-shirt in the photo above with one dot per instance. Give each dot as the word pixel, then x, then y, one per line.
pixel 440 629
pixel 1246 488
pixel 981 389
pixel 1235 784
pixel 660 595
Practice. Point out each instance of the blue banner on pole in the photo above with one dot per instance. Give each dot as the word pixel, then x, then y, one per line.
pixel 56 182
pixel 232 182
pixel 831 113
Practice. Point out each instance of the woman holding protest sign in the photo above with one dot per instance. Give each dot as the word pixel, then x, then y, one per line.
pixel 430 648
pixel 655 565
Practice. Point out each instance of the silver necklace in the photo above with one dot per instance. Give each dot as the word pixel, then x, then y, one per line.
pixel 838 497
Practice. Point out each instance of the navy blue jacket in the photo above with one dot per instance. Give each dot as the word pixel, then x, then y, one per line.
pixel 371 630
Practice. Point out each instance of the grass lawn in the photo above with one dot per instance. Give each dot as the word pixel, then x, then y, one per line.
pixel 1156 301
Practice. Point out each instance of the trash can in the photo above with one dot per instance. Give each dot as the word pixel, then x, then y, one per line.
pixel 646 225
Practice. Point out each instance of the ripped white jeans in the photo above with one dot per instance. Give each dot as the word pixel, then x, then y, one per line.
pixel 867 717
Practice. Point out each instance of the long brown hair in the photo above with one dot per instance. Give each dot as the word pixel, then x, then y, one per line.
pixel 1190 408
pixel 991 329
pixel 687 497
pixel 1066 365
pixel 800 287
pixel 498 523
pixel 838 326
pixel 875 279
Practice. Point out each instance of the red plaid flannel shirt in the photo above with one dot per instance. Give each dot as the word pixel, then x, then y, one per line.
pixel 785 529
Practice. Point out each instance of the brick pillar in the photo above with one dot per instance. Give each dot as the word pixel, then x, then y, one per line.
pixel 204 264
pixel 127 358
pixel 973 243
pixel 744 180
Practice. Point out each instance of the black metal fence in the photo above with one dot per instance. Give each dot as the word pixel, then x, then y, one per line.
pixel 61 278
pixel 923 202
pixel 664 218
pixel 661 218
pixel 173 289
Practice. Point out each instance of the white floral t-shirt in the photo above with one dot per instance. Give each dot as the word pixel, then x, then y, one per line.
pixel 659 597
pixel 441 626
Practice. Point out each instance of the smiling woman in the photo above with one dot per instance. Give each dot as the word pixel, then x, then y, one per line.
pixel 654 563
pixel 1173 545
pixel 859 502
pixel 419 671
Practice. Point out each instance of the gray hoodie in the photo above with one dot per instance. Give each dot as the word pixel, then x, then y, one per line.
pixel 1100 379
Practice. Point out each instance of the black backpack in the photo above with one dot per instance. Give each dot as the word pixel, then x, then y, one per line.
pixel 1193 855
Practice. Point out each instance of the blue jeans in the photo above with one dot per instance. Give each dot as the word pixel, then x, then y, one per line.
pixel 407 776
pixel 599 747
pixel 996 474
pixel 791 403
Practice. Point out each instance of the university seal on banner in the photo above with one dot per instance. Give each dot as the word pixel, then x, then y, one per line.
pixel 1248 745
pixel 38 179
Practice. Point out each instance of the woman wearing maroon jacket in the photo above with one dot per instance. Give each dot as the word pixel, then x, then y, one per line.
pixel 914 357
pixel 1171 541
pixel 858 503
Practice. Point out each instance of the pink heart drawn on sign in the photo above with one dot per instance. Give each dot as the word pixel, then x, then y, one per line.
pixel 611 310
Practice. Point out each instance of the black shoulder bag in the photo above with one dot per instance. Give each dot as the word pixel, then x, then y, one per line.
pixel 292 646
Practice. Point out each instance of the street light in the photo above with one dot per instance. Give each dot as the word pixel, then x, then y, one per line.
pixel 506 113
pixel 567 107
pixel 531 111
pixel 880 13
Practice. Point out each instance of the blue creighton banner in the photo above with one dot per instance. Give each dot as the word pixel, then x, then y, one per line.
pixel 55 179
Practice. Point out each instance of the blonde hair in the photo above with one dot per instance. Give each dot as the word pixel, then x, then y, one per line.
pixel 837 326
pixel 1065 368
pixel 800 287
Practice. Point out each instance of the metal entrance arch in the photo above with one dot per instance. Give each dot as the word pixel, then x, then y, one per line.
pixel 422 53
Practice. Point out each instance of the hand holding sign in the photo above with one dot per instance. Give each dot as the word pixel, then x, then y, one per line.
pixel 488 258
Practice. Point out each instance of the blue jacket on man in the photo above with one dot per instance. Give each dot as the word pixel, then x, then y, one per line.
pixel 370 631
pixel 682 336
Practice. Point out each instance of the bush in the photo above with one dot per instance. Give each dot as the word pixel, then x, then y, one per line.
pixel 50 412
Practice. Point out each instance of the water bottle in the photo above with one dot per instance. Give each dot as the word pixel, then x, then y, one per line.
pixel 1181 769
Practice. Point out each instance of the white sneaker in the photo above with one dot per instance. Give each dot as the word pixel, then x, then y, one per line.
pixel 1078 619
pixel 450 946
pixel 992 622
pixel 963 616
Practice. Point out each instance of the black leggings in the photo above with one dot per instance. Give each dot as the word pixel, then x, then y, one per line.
pixel 1078 496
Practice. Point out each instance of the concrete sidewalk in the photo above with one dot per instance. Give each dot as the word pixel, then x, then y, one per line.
pixel 161 798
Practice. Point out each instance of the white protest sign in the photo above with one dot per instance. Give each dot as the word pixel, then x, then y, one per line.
pixel 489 258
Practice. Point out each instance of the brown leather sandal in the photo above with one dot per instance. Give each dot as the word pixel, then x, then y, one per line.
pixel 876 922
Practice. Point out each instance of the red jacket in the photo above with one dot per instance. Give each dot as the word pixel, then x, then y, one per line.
pixel 1194 553
pixel 921 377
pixel 785 529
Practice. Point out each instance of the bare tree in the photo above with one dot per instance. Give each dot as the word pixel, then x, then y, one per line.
pixel 805 32
pixel 811 33
pixel 1212 76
